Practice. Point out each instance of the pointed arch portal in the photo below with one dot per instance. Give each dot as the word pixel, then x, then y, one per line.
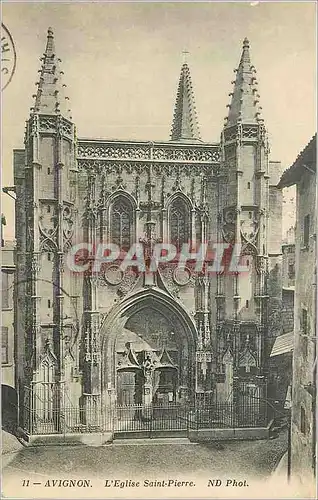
pixel 148 351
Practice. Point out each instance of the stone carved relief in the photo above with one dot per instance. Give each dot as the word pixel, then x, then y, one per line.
pixel 203 358
pixel 47 363
pixel 68 223
pixel 142 152
pixel 250 132
pixel 66 127
pixel 168 169
pixel 68 344
pixel 47 244
pixel 92 344
pixel 113 276
pixel 228 225
pixel 261 264
pixel 187 154
pixel 230 134
pixel 248 248
pixel 48 123
pixel 112 151
pixel 249 228
pixel 35 266
pixel 67 244
pixel 145 361
pixel 48 220
pixel 247 360
pixel 227 357
pixel 181 276
pixel 167 273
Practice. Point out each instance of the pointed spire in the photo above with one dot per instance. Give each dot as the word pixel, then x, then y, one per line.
pixel 185 125
pixel 244 105
pixel 50 96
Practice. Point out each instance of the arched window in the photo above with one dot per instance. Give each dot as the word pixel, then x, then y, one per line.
pixel 121 223
pixel 179 222
pixel 46 389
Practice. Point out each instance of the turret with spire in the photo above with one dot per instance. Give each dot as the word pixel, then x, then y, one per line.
pixel 244 106
pixel 243 218
pixel 185 123
pixel 50 170
pixel 50 97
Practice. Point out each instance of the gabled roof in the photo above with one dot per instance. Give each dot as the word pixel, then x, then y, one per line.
pixel 306 160
pixel 185 124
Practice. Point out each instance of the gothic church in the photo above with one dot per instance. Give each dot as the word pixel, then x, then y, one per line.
pixel 91 342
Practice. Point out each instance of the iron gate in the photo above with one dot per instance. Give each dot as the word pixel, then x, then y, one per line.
pixel 151 421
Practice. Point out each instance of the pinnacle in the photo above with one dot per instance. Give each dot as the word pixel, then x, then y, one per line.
pixel 246 43
pixel 50 97
pixel 244 105
pixel 185 126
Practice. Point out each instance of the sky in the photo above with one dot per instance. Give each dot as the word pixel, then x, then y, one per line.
pixel 122 61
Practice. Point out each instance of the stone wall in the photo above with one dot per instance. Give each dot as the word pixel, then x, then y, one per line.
pixel 303 418
pixel 288 311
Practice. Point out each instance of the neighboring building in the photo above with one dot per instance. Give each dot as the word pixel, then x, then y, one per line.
pixel 303 421
pixel 7 318
pixel 167 336
pixel 288 263
pixel 280 378
pixel 281 371
pixel 288 280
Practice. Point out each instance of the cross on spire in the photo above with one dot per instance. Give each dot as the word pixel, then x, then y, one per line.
pixel 185 53
pixel 185 124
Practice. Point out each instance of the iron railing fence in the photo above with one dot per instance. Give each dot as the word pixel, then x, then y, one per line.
pixel 228 415
pixel 69 420
pixel 136 418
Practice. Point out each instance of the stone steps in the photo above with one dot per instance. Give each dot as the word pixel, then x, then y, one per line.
pixel 151 441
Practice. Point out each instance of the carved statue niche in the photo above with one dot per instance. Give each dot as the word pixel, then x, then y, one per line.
pixel 247 359
pixel 48 220
pixel 68 223
pixel 249 225
pixel 228 225
pixel 148 367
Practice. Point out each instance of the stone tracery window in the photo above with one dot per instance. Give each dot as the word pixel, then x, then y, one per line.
pixel 121 223
pixel 45 389
pixel 179 222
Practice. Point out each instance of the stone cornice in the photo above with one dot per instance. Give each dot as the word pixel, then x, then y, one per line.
pixel 145 151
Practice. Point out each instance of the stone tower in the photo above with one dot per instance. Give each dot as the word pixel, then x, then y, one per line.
pixel 46 178
pixel 243 305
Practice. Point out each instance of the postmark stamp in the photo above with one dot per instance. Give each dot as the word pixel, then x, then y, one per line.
pixel 8 57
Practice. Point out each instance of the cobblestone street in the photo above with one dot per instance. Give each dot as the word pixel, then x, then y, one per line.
pixel 169 468
pixel 142 459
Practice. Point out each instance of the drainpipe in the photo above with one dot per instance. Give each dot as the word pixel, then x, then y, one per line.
pixel 289 447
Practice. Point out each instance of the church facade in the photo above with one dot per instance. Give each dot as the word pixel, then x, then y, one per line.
pixel 90 341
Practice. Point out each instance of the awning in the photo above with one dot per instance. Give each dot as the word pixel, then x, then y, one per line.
pixel 283 344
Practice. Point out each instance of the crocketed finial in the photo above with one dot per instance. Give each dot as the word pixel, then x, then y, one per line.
pixel 246 43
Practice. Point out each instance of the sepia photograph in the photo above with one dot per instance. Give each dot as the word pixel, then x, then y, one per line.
pixel 158 249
